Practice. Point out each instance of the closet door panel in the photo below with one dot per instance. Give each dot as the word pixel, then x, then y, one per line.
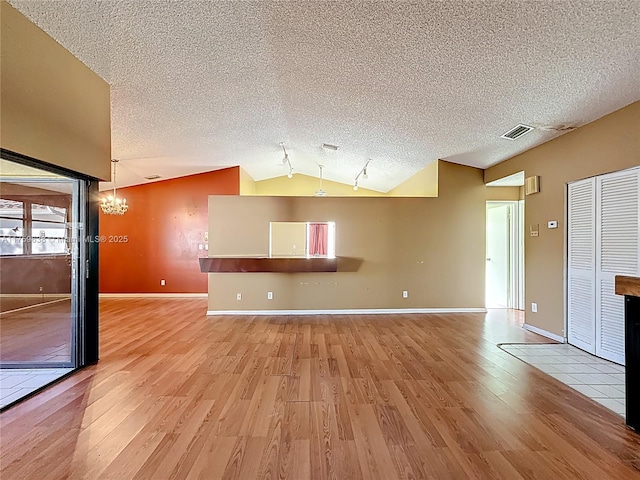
pixel 617 253
pixel 581 263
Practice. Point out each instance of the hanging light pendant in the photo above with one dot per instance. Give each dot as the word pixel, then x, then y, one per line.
pixel 321 192
pixel 111 204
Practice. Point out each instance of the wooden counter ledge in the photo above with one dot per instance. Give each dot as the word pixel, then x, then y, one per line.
pixel 267 264
pixel 627 286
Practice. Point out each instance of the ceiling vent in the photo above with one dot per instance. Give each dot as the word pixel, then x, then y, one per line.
pixel 152 177
pixel 328 146
pixel 517 132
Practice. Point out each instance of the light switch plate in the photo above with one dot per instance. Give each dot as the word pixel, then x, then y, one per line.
pixel 552 224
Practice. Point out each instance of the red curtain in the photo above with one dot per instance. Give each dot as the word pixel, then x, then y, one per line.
pixel 318 239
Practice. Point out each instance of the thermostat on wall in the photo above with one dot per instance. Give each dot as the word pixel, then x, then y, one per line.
pixel 552 224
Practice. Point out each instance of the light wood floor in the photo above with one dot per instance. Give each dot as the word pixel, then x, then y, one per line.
pixel 181 395
pixel 40 333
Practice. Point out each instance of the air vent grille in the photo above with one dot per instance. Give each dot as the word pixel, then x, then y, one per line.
pixel 517 132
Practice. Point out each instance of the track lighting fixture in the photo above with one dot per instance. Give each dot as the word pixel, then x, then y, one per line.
pixel 286 160
pixel 363 172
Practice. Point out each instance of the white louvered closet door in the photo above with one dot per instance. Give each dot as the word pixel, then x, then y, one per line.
pixel 581 262
pixel 617 253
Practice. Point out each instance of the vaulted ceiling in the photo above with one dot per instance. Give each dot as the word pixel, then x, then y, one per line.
pixel 201 85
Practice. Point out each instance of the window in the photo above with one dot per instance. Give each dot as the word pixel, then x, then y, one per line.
pixel 321 239
pixel 48 229
pixel 302 239
pixel 29 228
pixel 11 227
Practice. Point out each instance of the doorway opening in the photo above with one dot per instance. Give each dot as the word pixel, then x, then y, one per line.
pixel 504 273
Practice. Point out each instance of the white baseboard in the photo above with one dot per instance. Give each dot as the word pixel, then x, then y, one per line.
pixel 153 295
pixel 544 333
pixel 35 295
pixel 348 311
pixel 35 305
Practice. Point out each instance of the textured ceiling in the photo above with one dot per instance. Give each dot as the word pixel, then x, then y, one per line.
pixel 199 85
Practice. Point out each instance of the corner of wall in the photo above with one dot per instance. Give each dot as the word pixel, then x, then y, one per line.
pixel 247 183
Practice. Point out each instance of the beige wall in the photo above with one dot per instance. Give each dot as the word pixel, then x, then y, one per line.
pixel 52 107
pixel 288 239
pixel 609 144
pixel 503 193
pixel 247 183
pixel 304 186
pixel 422 184
pixel 432 247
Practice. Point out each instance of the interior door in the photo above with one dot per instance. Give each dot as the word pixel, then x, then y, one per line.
pixel 498 251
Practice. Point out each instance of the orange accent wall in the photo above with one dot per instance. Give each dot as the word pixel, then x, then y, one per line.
pixel 164 227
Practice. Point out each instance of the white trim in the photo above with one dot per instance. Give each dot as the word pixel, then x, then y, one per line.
pixel 544 333
pixel 35 295
pixel 153 295
pixel 34 306
pixel 348 311
pixel 515 267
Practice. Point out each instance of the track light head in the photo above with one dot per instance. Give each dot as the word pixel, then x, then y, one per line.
pixel 363 172
pixel 355 187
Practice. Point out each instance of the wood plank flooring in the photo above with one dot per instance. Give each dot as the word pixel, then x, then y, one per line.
pixel 181 395
pixel 40 333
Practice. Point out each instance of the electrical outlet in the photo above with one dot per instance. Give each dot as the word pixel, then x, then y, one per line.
pixel 40 288
pixel 269 295
pixel 405 294
pixel 238 296
pixel 534 307
pixel 162 282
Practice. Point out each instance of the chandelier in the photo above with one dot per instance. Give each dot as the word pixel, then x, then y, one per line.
pixel 112 205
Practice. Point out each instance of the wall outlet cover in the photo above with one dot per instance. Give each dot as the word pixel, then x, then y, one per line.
pixel 238 296
pixel 405 294
pixel 534 307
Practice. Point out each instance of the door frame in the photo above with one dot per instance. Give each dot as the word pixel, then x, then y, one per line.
pixel 515 280
pixel 86 313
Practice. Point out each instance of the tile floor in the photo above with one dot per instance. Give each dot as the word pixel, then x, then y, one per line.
pixel 15 383
pixel 598 379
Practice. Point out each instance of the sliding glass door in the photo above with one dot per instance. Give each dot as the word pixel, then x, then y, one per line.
pixel 42 267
